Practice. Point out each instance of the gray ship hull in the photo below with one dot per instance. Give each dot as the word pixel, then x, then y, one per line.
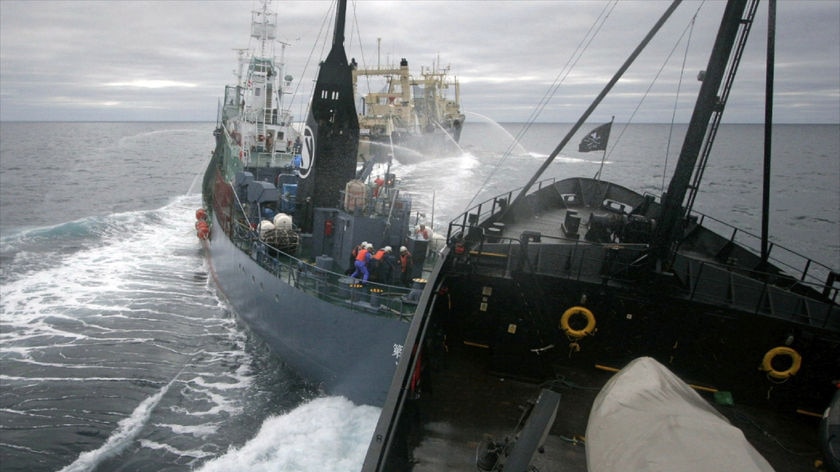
pixel 344 351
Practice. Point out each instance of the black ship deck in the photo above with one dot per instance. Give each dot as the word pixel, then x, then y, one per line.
pixel 493 327
pixel 468 402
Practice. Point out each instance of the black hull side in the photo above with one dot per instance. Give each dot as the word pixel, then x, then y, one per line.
pixel 485 340
pixel 713 348
pixel 345 352
pixel 712 318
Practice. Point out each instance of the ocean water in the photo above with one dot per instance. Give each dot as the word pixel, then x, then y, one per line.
pixel 116 352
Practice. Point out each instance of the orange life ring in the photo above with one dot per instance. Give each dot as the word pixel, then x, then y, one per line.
pixel 772 354
pixel 577 333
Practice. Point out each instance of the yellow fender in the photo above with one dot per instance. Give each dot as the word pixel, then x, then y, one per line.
pixel 577 333
pixel 767 362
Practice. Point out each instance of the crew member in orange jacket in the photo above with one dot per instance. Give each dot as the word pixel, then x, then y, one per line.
pixel 406 266
pixel 362 259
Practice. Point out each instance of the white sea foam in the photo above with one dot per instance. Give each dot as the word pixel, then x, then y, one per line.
pixel 199 431
pixel 129 247
pixel 329 433
pixel 217 403
pixel 130 302
pixel 78 297
pixel 194 453
pixel 127 430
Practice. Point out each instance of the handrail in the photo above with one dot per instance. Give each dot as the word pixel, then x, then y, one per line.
pixel 494 208
pixel 590 261
pixel 809 272
pixel 335 288
pixel 338 289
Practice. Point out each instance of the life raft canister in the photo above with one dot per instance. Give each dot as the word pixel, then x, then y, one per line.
pixel 202 229
pixel 566 326
pixel 781 351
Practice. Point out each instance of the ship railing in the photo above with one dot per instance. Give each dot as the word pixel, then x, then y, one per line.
pixel 792 294
pixel 488 209
pixel 558 256
pixel 337 289
pixel 232 162
pixel 708 282
pixel 808 272
pixel 718 284
pixel 388 201
pixel 271 159
pixel 805 270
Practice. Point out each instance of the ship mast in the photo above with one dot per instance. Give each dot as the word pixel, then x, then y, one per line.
pixel 264 29
pixel 331 136
pixel 710 103
pixel 768 128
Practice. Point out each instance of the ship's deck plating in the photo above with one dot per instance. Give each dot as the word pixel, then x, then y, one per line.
pixel 459 389
pixel 549 223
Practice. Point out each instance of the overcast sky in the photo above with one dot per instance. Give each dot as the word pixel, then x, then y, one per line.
pixel 169 60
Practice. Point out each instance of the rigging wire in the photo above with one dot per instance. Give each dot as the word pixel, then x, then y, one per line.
pixel 363 60
pixel 717 115
pixel 358 31
pixel 688 29
pixel 581 48
pixel 358 34
pixel 326 20
pixel 567 68
pixel 677 98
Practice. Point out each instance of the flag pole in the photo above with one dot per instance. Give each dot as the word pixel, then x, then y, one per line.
pixel 604 156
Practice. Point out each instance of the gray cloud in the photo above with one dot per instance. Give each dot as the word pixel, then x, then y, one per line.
pixel 169 60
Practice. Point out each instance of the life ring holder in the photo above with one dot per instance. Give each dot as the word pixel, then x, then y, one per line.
pixel 577 333
pixel 772 354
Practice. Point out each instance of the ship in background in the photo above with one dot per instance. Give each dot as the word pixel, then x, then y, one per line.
pixel 284 211
pixel 409 117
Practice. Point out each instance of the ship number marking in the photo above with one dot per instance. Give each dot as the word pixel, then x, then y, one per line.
pixel 397 352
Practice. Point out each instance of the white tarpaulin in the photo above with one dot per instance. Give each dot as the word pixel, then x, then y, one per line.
pixel 647 419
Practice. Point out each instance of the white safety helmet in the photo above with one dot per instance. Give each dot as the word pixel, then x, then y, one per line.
pixel 403 249
pixel 387 248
